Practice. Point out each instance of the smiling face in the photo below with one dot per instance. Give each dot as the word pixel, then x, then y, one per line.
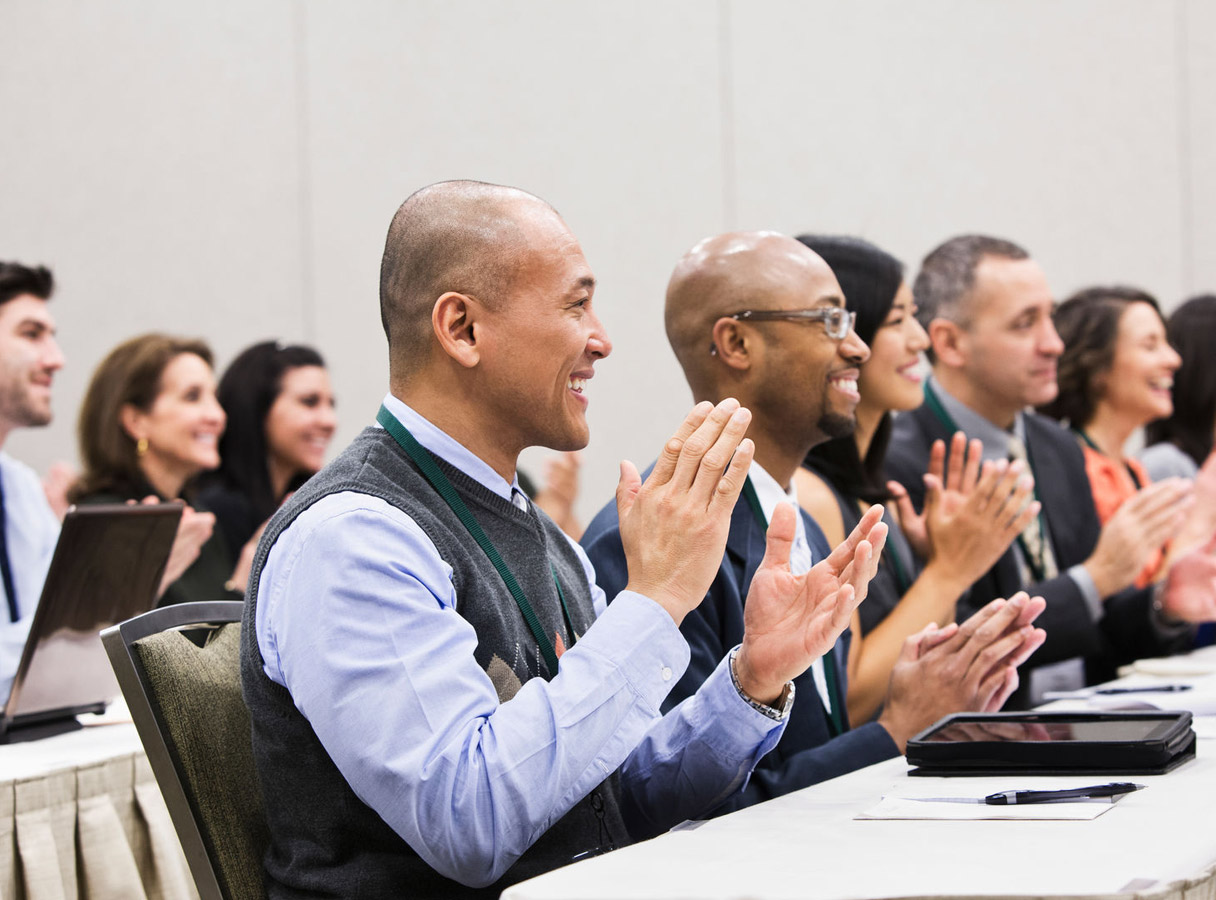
pixel 1007 350
pixel 29 359
pixel 806 382
pixel 301 421
pixel 182 426
pixel 1141 374
pixel 539 341
pixel 891 379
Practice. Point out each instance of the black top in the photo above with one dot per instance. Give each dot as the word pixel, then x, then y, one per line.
pixel 235 517
pixel 897 569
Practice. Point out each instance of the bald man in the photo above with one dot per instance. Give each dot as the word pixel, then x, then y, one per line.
pixel 412 726
pixel 761 317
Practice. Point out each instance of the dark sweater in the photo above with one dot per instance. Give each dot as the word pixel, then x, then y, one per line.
pixel 325 842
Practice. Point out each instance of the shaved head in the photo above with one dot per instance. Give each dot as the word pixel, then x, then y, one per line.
pixel 723 275
pixel 454 236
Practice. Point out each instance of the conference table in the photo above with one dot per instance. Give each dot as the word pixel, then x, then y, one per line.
pixel 81 816
pixel 1156 843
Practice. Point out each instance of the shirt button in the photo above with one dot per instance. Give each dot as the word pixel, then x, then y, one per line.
pixel 665 673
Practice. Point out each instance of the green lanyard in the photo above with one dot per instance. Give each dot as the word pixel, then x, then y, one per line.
pixel 433 474
pixel 836 706
pixel 1094 447
pixel 943 416
pixel 902 581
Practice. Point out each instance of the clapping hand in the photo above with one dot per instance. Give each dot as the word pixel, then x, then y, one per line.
pixel 968 667
pixel 949 489
pixel 674 527
pixel 791 620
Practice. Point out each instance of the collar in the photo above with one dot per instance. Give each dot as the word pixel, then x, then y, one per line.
pixel 769 493
pixel 450 450
pixel 974 425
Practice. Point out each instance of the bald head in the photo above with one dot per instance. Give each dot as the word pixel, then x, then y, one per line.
pixel 723 275
pixel 463 236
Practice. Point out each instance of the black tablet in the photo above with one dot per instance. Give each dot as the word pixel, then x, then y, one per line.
pixel 1069 743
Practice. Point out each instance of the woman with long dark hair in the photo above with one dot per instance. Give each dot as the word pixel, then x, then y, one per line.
pixel 972 512
pixel 1116 374
pixel 280 410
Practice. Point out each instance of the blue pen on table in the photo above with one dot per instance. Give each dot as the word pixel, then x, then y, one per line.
pixel 1014 798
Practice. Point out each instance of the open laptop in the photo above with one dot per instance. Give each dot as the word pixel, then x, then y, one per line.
pixel 106 568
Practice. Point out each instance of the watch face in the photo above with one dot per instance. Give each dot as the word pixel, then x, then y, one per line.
pixel 786 700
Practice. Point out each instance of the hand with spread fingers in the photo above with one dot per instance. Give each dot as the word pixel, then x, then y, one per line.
pixel 791 620
pixel 959 668
pixel 950 486
pixel 971 525
pixel 674 526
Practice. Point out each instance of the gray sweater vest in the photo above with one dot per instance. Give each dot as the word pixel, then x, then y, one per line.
pixel 325 842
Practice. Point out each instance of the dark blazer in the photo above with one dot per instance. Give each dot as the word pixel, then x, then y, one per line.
pixel 1124 633
pixel 807 753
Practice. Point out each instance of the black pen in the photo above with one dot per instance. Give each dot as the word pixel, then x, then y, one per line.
pixel 1162 689
pixel 1014 798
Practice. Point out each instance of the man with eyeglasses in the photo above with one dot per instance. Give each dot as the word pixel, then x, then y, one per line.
pixel 441 704
pixel 761 317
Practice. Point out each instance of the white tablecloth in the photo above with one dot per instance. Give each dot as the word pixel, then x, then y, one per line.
pixel 81 816
pixel 1159 842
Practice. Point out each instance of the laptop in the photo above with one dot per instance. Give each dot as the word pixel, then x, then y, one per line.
pixel 106 568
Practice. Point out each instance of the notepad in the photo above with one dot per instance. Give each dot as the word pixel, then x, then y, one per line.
pixel 898 803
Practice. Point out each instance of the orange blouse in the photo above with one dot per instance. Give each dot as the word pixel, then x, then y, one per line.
pixel 1111 485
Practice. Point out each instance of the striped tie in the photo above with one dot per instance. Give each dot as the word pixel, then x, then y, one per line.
pixel 1038 551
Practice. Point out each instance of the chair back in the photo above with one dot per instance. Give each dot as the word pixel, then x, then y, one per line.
pixel 179 670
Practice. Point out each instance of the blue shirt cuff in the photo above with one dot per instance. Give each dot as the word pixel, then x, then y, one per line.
pixel 750 733
pixel 642 639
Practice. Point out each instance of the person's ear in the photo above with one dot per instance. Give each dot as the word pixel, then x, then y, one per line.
pixel 950 345
pixel 733 343
pixel 456 323
pixel 132 421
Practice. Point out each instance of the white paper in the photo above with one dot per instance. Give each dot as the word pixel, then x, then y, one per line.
pixel 900 803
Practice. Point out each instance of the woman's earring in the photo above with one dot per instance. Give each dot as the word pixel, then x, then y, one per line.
pixel 141 447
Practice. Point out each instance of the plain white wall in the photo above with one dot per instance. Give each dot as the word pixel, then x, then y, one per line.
pixel 228 169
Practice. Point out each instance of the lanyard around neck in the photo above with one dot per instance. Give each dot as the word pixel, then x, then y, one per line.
pixel 835 708
pixel 440 482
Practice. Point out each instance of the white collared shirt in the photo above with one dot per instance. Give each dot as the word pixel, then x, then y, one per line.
pixel 769 493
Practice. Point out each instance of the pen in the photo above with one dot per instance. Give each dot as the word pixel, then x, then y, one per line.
pixel 1010 798
pixel 1013 798
pixel 1163 689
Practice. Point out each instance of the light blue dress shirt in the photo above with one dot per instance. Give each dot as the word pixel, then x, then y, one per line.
pixel 31 530
pixel 357 618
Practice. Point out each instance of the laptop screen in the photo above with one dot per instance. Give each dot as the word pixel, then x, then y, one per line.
pixel 106 568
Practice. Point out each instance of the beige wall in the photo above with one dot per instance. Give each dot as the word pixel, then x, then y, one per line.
pixel 228 169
